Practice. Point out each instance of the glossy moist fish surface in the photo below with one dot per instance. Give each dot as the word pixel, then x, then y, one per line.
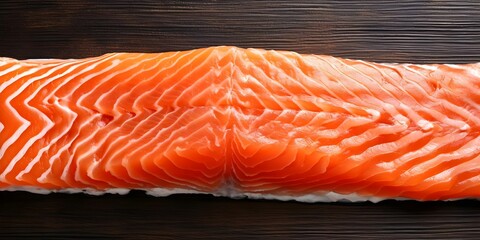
pixel 241 122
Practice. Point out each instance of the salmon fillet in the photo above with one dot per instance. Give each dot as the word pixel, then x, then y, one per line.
pixel 241 122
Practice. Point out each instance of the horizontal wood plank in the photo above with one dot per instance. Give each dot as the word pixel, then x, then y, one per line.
pixel 385 31
pixel 415 31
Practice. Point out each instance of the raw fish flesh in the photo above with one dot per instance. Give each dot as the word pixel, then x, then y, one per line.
pixel 240 122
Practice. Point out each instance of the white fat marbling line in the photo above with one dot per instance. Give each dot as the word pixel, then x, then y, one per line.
pixel 264 76
pixel 71 116
pixel 456 66
pixel 10 69
pixel 49 123
pixel 125 94
pixel 475 71
pixel 3 61
pixel 430 67
pixel 12 140
pixel 162 62
pixel 113 64
pixel 299 81
pixel 213 88
pixel 83 80
pixel 204 78
pixel 101 81
pixel 189 63
pixel 66 110
pixel 25 124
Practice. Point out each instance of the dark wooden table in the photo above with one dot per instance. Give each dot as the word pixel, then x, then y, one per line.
pixel 388 31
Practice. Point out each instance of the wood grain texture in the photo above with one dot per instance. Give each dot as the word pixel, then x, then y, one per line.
pixel 415 31
pixel 388 30
pixel 193 217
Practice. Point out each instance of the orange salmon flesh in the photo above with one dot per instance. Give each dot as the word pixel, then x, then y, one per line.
pixel 241 122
